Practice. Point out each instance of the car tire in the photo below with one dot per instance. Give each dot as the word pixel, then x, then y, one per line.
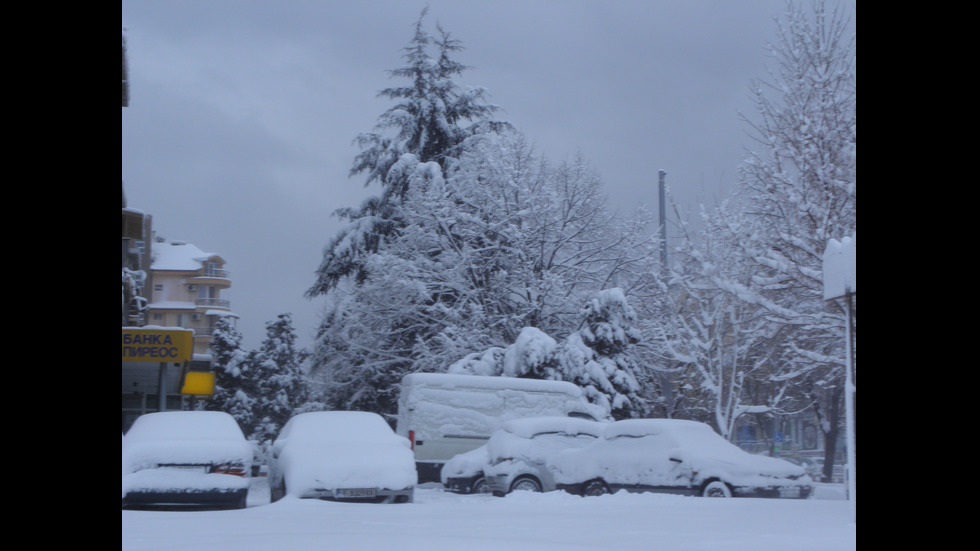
pixel 480 486
pixel 526 483
pixel 278 492
pixel 716 488
pixel 594 488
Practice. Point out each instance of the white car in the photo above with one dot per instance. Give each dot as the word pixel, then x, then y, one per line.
pixel 518 453
pixel 673 456
pixel 343 456
pixel 185 458
pixel 514 456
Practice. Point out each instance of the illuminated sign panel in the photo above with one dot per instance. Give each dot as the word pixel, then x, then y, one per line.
pixel 157 345
pixel 198 383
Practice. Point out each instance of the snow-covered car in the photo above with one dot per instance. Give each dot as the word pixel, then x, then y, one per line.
pixel 517 453
pixel 342 456
pixel 673 456
pixel 513 457
pixel 463 473
pixel 186 458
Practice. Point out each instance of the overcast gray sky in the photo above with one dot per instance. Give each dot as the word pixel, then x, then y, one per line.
pixel 238 137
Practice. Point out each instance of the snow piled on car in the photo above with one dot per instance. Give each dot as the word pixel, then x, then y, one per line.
pixel 538 438
pixel 464 465
pixel 522 438
pixel 343 449
pixel 183 437
pixel 624 456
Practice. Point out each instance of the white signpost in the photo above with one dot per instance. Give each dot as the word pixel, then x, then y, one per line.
pixel 840 280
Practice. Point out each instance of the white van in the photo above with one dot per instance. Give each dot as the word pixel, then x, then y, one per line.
pixel 446 414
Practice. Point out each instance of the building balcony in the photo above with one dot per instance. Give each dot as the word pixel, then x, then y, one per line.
pixel 219 278
pixel 213 303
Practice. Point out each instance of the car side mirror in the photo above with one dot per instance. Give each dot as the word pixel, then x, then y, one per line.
pixel 676 460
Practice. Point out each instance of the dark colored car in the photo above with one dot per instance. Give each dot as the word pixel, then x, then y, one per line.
pixel 198 458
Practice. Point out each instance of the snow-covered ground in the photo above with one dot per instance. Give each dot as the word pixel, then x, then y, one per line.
pixel 443 521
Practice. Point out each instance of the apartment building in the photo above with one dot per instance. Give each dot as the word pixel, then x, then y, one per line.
pixel 186 285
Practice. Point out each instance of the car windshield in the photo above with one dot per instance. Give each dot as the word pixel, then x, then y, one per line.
pixel 347 426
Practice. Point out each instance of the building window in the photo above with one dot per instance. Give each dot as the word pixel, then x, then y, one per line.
pixel 211 268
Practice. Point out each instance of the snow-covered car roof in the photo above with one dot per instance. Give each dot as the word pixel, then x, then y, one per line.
pixel 347 426
pixel 184 425
pixel 533 426
pixel 184 437
pixel 691 437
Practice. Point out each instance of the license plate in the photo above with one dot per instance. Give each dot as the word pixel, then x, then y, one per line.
pixel 351 493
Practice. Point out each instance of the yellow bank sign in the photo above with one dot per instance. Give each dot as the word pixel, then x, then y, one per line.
pixel 157 345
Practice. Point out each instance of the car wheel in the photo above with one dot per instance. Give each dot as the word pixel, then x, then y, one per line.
pixel 480 486
pixel 526 483
pixel 716 488
pixel 595 488
pixel 278 492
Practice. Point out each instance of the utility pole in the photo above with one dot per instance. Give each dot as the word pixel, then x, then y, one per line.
pixel 663 222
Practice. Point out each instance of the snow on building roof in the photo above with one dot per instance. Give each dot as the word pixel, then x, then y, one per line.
pixel 178 255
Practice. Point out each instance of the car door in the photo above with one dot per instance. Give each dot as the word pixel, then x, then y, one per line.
pixel 644 463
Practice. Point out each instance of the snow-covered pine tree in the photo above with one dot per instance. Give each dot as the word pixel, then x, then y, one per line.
pixel 234 389
pixel 430 119
pixel 413 142
pixel 281 385
pixel 600 357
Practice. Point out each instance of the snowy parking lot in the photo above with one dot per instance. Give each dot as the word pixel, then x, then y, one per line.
pixel 443 521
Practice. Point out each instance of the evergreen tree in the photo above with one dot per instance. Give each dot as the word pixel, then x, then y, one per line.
pixel 430 119
pixel 600 357
pixel 414 142
pixel 281 385
pixel 234 389
pixel 473 239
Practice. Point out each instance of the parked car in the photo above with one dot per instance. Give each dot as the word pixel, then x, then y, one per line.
pixel 513 457
pixel 463 473
pixel 196 458
pixel 518 453
pixel 673 456
pixel 342 456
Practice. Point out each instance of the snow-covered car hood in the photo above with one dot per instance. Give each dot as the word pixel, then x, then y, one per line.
pixel 147 455
pixel 329 465
pixel 464 465
pixel 739 464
